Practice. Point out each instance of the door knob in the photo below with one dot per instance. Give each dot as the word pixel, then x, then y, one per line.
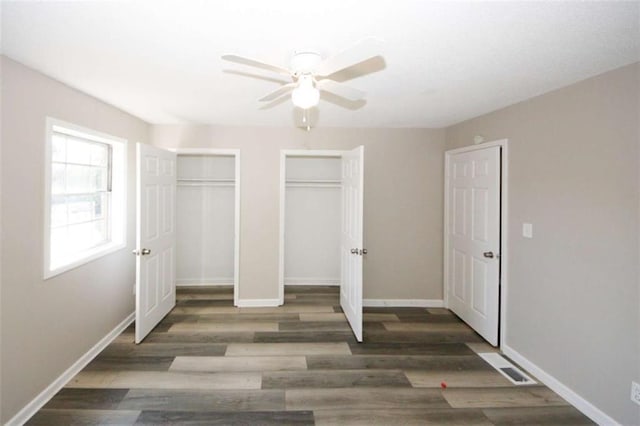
pixel 363 251
pixel 142 252
pixel 354 251
pixel 488 254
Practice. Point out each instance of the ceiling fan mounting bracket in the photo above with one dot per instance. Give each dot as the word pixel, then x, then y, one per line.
pixel 305 62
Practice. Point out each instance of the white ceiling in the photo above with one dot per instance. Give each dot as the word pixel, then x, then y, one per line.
pixel 445 61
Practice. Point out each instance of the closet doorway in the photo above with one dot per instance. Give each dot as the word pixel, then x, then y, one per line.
pixel 321 224
pixel 207 218
pixel 312 220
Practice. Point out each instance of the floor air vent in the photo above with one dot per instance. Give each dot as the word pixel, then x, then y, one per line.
pixel 508 370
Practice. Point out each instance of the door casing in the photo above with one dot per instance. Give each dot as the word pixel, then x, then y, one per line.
pixel 504 221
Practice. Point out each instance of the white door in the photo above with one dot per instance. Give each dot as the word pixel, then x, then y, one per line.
pixel 352 238
pixel 155 237
pixel 473 234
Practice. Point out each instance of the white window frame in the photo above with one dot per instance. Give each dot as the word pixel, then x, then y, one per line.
pixel 118 207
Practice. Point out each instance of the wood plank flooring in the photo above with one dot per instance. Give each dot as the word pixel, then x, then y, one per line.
pixel 210 363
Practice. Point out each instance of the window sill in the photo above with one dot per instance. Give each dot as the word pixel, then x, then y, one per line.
pixel 88 256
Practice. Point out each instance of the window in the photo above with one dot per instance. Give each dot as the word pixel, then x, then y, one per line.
pixel 85 196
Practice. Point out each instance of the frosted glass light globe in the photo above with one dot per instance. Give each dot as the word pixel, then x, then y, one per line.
pixel 305 95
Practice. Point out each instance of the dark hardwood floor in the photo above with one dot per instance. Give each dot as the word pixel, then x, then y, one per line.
pixel 209 363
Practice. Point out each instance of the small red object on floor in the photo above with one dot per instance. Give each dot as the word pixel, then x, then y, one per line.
pixel 443 385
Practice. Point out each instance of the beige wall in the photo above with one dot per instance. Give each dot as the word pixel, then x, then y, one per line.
pixel 1 233
pixel 48 325
pixel 573 289
pixel 403 201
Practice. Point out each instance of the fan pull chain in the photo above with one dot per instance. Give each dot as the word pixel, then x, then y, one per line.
pixel 304 119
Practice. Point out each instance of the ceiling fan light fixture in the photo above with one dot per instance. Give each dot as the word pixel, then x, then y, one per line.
pixel 310 74
pixel 305 95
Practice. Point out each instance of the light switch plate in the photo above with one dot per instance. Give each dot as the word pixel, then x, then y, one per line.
pixel 527 230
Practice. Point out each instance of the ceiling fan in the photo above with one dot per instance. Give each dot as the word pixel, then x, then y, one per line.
pixel 311 74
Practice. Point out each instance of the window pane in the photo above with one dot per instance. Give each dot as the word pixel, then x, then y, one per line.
pixel 101 230
pixel 84 179
pixel 78 179
pixel 58 172
pixel 86 235
pixel 101 205
pixel 81 208
pixel 99 178
pixel 99 154
pixel 58 148
pixel 78 151
pixel 58 211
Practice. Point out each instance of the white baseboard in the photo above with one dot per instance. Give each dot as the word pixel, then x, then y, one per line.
pixel 205 282
pixel 43 397
pixel 403 303
pixel 587 408
pixel 258 303
pixel 311 281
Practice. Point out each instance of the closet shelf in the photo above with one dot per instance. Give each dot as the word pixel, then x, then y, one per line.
pixel 312 183
pixel 205 180
pixel 327 181
pixel 207 184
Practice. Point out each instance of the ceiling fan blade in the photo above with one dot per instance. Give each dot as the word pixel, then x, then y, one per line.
pixel 361 51
pixel 279 92
pixel 340 89
pixel 253 63
pixel 272 79
pixel 275 103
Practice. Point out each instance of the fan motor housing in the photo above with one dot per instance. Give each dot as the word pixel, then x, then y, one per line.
pixel 305 62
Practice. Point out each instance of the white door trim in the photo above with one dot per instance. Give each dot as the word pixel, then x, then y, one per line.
pixel 504 221
pixel 284 153
pixel 236 250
